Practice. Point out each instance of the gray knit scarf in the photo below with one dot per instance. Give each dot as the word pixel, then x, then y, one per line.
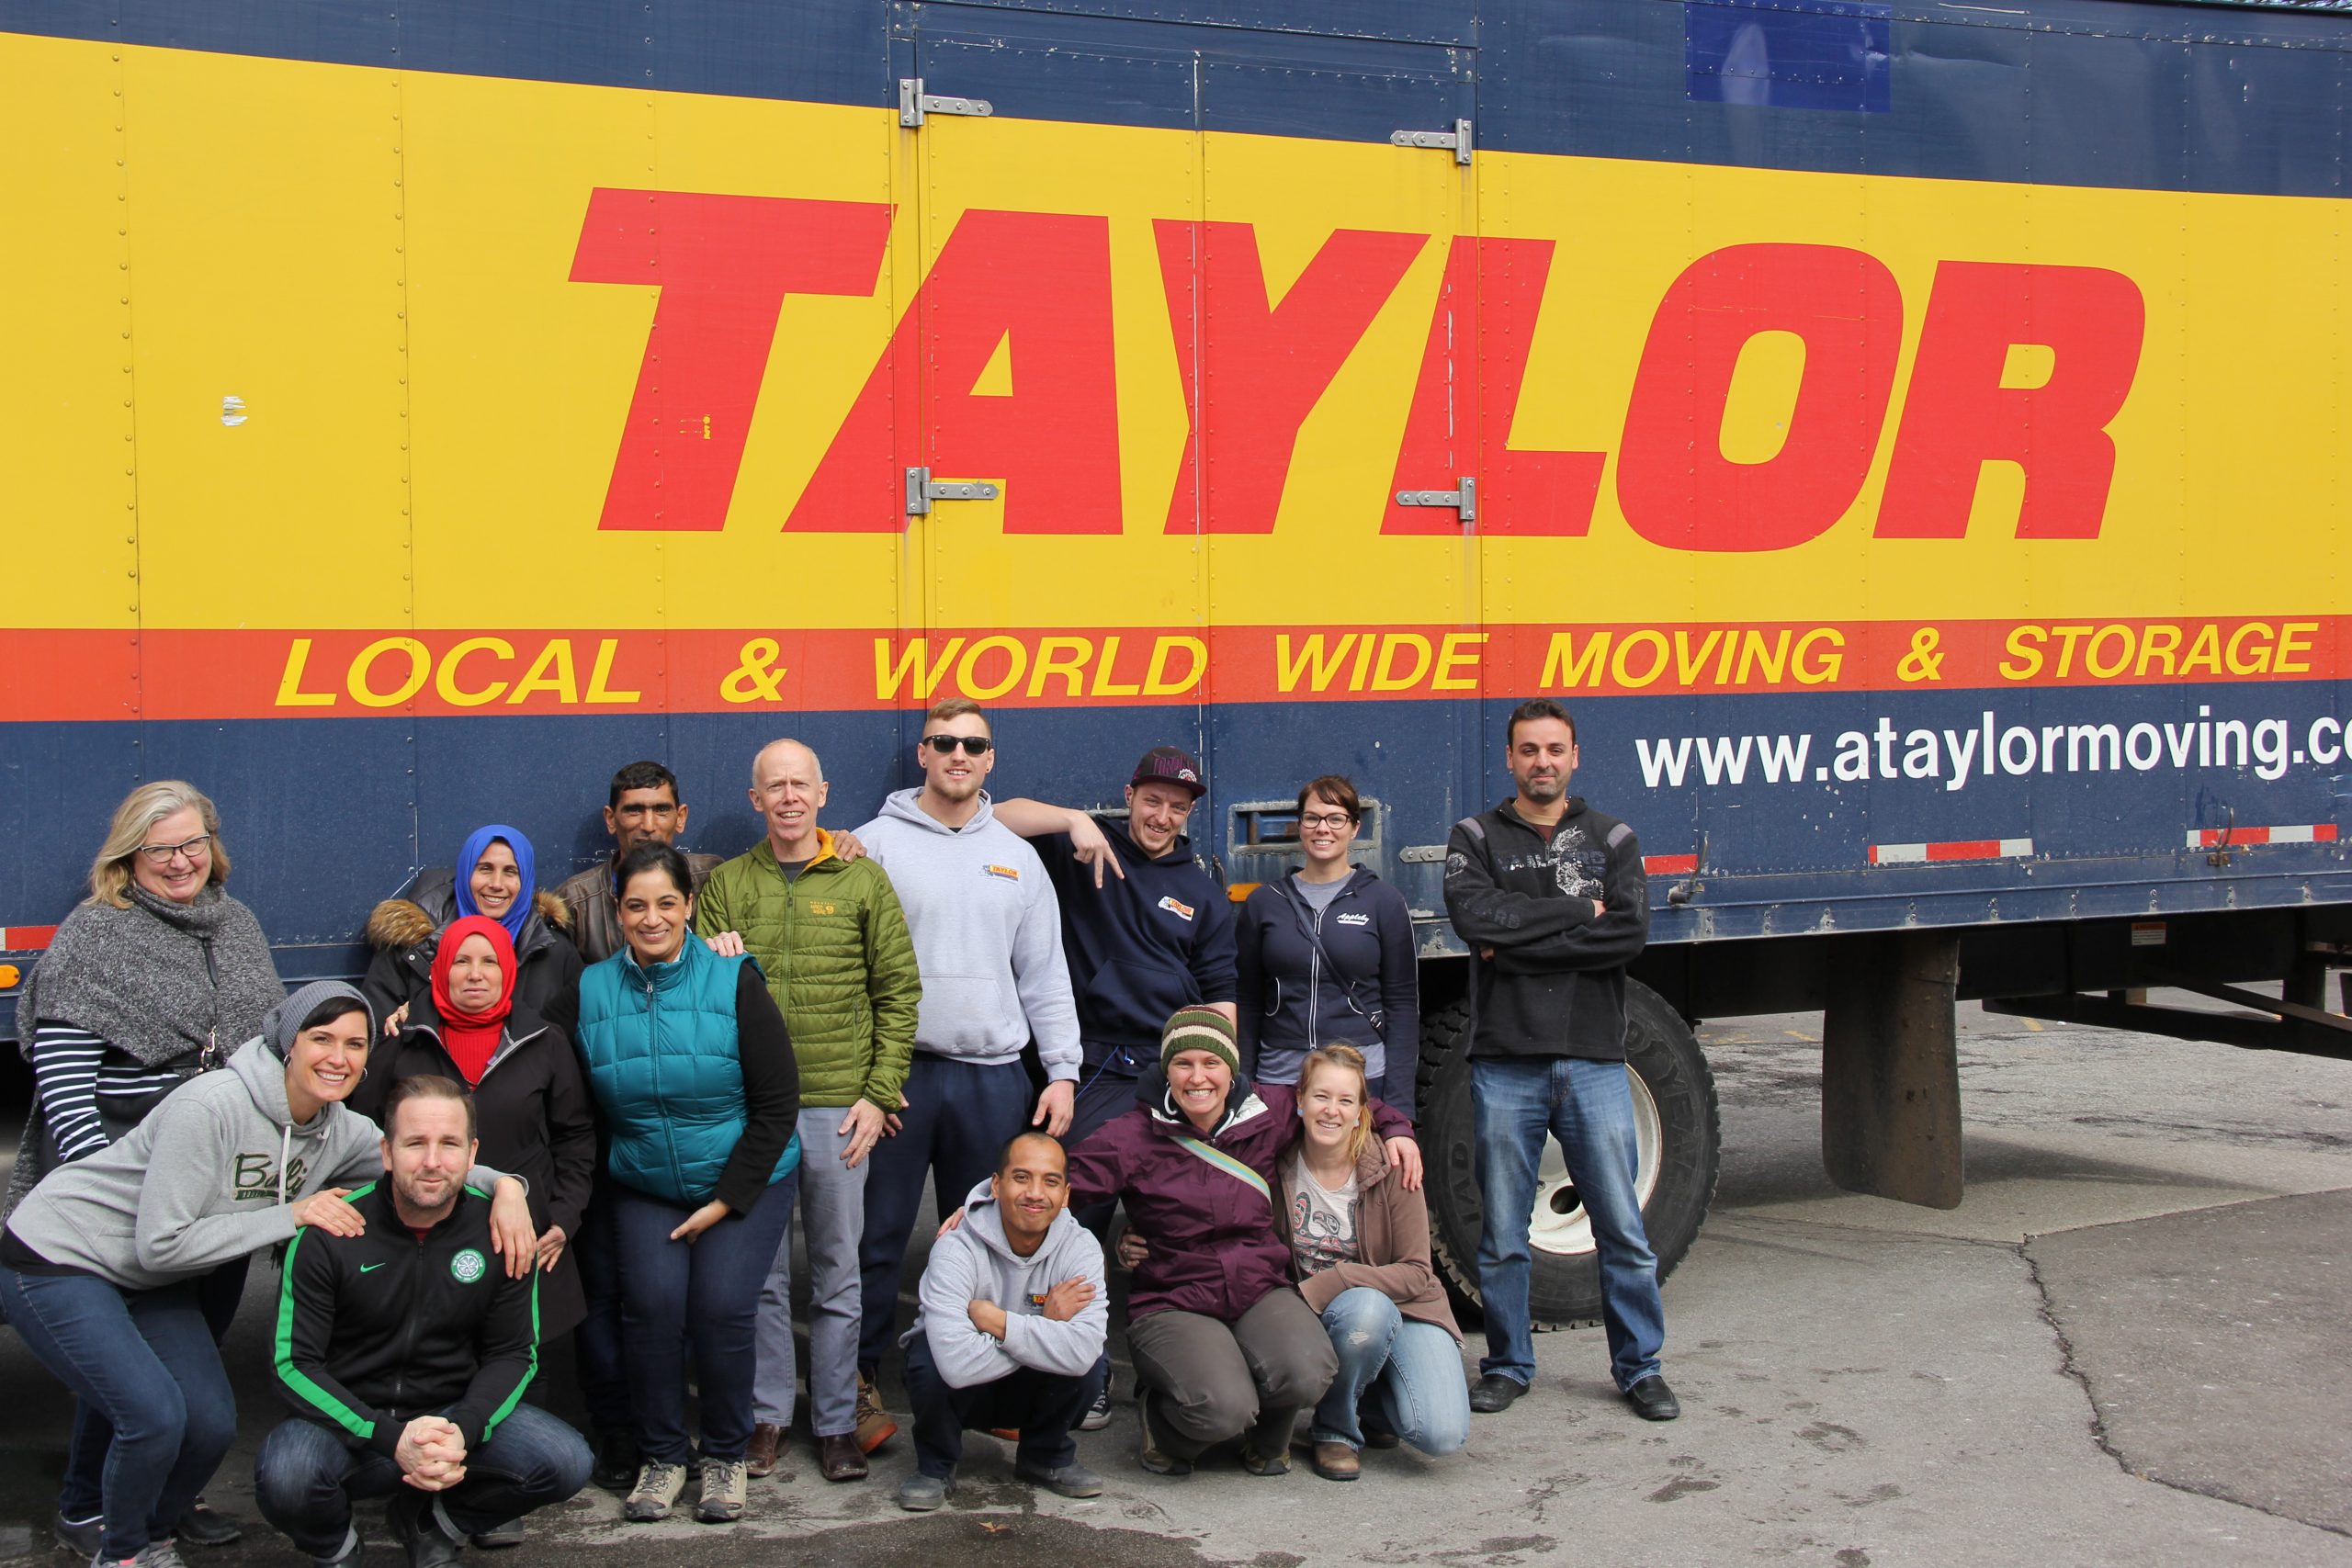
pixel 157 981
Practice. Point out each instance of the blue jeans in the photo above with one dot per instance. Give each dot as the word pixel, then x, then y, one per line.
pixel 957 1120
pixel 80 1496
pixel 307 1476
pixel 144 1362
pixel 1412 1370
pixel 1587 1106
pixel 703 1295
pixel 1044 1408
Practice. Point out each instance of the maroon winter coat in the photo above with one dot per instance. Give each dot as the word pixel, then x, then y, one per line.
pixel 1215 1248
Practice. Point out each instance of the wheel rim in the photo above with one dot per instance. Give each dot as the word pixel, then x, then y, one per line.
pixel 1559 1225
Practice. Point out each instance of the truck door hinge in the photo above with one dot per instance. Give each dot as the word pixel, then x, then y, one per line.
pixel 1464 500
pixel 922 490
pixel 914 103
pixel 1456 141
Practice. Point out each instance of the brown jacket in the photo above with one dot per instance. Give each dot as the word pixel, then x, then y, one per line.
pixel 595 916
pixel 1392 1238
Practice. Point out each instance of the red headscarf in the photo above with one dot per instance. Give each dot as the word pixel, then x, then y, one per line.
pixel 472 1038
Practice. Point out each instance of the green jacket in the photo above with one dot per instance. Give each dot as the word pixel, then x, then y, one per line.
pixel 838 960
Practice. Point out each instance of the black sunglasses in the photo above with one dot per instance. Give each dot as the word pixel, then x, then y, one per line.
pixel 974 745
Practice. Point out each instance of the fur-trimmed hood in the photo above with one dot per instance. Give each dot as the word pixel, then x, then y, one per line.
pixel 398 923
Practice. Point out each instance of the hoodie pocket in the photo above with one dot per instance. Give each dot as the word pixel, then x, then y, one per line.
pixel 969 1015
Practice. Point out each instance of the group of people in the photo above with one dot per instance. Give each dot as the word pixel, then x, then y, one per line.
pixel 593 1111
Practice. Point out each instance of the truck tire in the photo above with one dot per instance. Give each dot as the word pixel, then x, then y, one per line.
pixel 1674 1110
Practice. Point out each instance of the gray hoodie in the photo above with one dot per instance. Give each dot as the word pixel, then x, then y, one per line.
pixel 988 935
pixel 974 1262
pixel 213 1173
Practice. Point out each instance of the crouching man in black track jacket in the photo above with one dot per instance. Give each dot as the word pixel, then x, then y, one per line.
pixel 405 1351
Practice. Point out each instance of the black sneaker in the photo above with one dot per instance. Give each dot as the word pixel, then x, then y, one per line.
pixel 1098 1415
pixel 617 1460
pixel 82 1540
pixel 202 1526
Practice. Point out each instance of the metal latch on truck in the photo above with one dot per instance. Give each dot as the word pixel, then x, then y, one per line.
pixel 1464 499
pixel 922 490
pixel 1457 141
pixel 914 104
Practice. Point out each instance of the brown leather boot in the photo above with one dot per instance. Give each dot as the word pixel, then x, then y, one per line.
pixel 758 1457
pixel 840 1457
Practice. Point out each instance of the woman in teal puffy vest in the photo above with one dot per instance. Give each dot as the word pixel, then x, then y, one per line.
pixel 692 1069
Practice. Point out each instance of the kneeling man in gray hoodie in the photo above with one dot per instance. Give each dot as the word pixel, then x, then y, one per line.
pixel 1010 1329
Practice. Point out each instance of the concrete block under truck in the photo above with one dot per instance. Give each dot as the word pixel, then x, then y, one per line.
pixel 1909 437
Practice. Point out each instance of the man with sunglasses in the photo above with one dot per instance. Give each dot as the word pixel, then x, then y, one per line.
pixel 988 935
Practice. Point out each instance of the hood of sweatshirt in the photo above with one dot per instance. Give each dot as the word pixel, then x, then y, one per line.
pixel 900 806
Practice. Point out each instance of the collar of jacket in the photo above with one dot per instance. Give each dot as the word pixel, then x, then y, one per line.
pixel 523 1026
pixel 1286 888
pixel 692 955
pixel 1571 808
pixel 824 859
pixel 1172 1123
pixel 381 1199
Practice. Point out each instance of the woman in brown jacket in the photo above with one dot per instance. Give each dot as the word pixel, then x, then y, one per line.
pixel 1360 1246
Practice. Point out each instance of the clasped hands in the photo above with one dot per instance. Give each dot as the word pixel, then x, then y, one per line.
pixel 431 1453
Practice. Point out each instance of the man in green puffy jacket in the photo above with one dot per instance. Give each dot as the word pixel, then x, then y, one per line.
pixel 833 941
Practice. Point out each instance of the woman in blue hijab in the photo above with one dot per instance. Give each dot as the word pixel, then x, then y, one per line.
pixel 495 876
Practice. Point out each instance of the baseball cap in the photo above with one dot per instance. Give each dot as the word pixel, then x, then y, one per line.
pixel 1170 764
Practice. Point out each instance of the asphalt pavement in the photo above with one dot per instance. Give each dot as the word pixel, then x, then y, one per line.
pixel 2127 1345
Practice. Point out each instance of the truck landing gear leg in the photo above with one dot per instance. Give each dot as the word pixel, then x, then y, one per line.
pixel 1890 1070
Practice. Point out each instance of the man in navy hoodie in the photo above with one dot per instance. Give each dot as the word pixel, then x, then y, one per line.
pixel 1154 937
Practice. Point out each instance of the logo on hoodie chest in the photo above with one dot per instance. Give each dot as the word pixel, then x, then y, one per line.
pixel 1177 907
pixel 255 1178
pixel 1001 873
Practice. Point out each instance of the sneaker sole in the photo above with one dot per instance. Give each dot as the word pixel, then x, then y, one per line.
pixel 726 1516
pixel 642 1515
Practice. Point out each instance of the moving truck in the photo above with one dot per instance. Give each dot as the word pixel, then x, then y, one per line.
pixel 1909 437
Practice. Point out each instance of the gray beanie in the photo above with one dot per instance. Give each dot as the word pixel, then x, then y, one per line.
pixel 281 1023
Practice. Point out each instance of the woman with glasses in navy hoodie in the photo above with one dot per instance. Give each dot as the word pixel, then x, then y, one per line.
pixel 1326 957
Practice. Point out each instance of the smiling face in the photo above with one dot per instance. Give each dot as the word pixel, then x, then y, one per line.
pixel 326 1062
pixel 497 880
pixel 1326 832
pixel 427 1153
pixel 1030 1190
pixel 1331 1105
pixel 1542 760
pixel 654 915
pixel 1201 1082
pixel 952 777
pixel 787 791
pixel 1156 816
pixel 180 873
pixel 475 978
pixel 645 816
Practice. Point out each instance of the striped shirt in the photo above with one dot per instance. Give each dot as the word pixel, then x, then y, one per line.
pixel 72 1071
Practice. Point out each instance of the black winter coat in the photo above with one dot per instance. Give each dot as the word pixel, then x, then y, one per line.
pixel 1367 996
pixel 534 1116
pixel 1556 984
pixel 406 931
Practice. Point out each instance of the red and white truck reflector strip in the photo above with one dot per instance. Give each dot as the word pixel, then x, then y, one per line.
pixel 2235 838
pixel 1952 849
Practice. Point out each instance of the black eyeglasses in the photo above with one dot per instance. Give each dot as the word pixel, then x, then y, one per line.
pixel 974 745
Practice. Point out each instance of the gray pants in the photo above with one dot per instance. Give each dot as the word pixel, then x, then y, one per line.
pixel 832 1218
pixel 1208 1381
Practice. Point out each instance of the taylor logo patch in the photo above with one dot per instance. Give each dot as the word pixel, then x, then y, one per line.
pixel 1010 873
pixel 1353 919
pixel 467 1266
pixel 817 909
pixel 1182 910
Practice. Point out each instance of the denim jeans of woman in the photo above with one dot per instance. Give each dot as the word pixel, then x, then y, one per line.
pixel 698 1298
pixel 144 1362
pixel 1409 1373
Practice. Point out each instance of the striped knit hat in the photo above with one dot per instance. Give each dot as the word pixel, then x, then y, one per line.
pixel 1199 1029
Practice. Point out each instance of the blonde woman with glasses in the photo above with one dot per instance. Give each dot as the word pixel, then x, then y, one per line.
pixel 155 977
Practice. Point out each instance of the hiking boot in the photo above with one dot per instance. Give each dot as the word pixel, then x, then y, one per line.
pixel 722 1491
pixel 1335 1462
pixel 874 1427
pixel 657 1488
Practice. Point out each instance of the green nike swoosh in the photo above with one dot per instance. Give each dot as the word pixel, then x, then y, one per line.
pixel 364 1267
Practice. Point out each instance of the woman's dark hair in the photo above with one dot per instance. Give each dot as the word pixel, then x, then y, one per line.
pixel 334 1008
pixel 1334 788
pixel 654 857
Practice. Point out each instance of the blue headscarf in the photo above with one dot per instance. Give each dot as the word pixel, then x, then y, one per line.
pixel 477 842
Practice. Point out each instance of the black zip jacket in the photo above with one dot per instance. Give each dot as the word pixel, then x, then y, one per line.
pixel 1368 996
pixel 377 1329
pixel 1556 984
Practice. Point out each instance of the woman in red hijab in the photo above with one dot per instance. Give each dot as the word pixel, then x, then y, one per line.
pixel 531 1107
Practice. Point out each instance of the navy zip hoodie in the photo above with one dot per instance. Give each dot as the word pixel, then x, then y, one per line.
pixel 1139 948
pixel 1291 1002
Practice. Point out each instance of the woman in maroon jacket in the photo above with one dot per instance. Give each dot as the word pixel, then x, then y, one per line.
pixel 1213 1298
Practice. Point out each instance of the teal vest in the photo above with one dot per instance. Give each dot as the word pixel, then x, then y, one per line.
pixel 662 1063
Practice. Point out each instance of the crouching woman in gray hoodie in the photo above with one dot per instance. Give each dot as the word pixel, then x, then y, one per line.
pixel 1010 1333
pixel 99 1265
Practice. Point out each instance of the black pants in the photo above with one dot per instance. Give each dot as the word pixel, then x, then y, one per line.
pixel 1044 1406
